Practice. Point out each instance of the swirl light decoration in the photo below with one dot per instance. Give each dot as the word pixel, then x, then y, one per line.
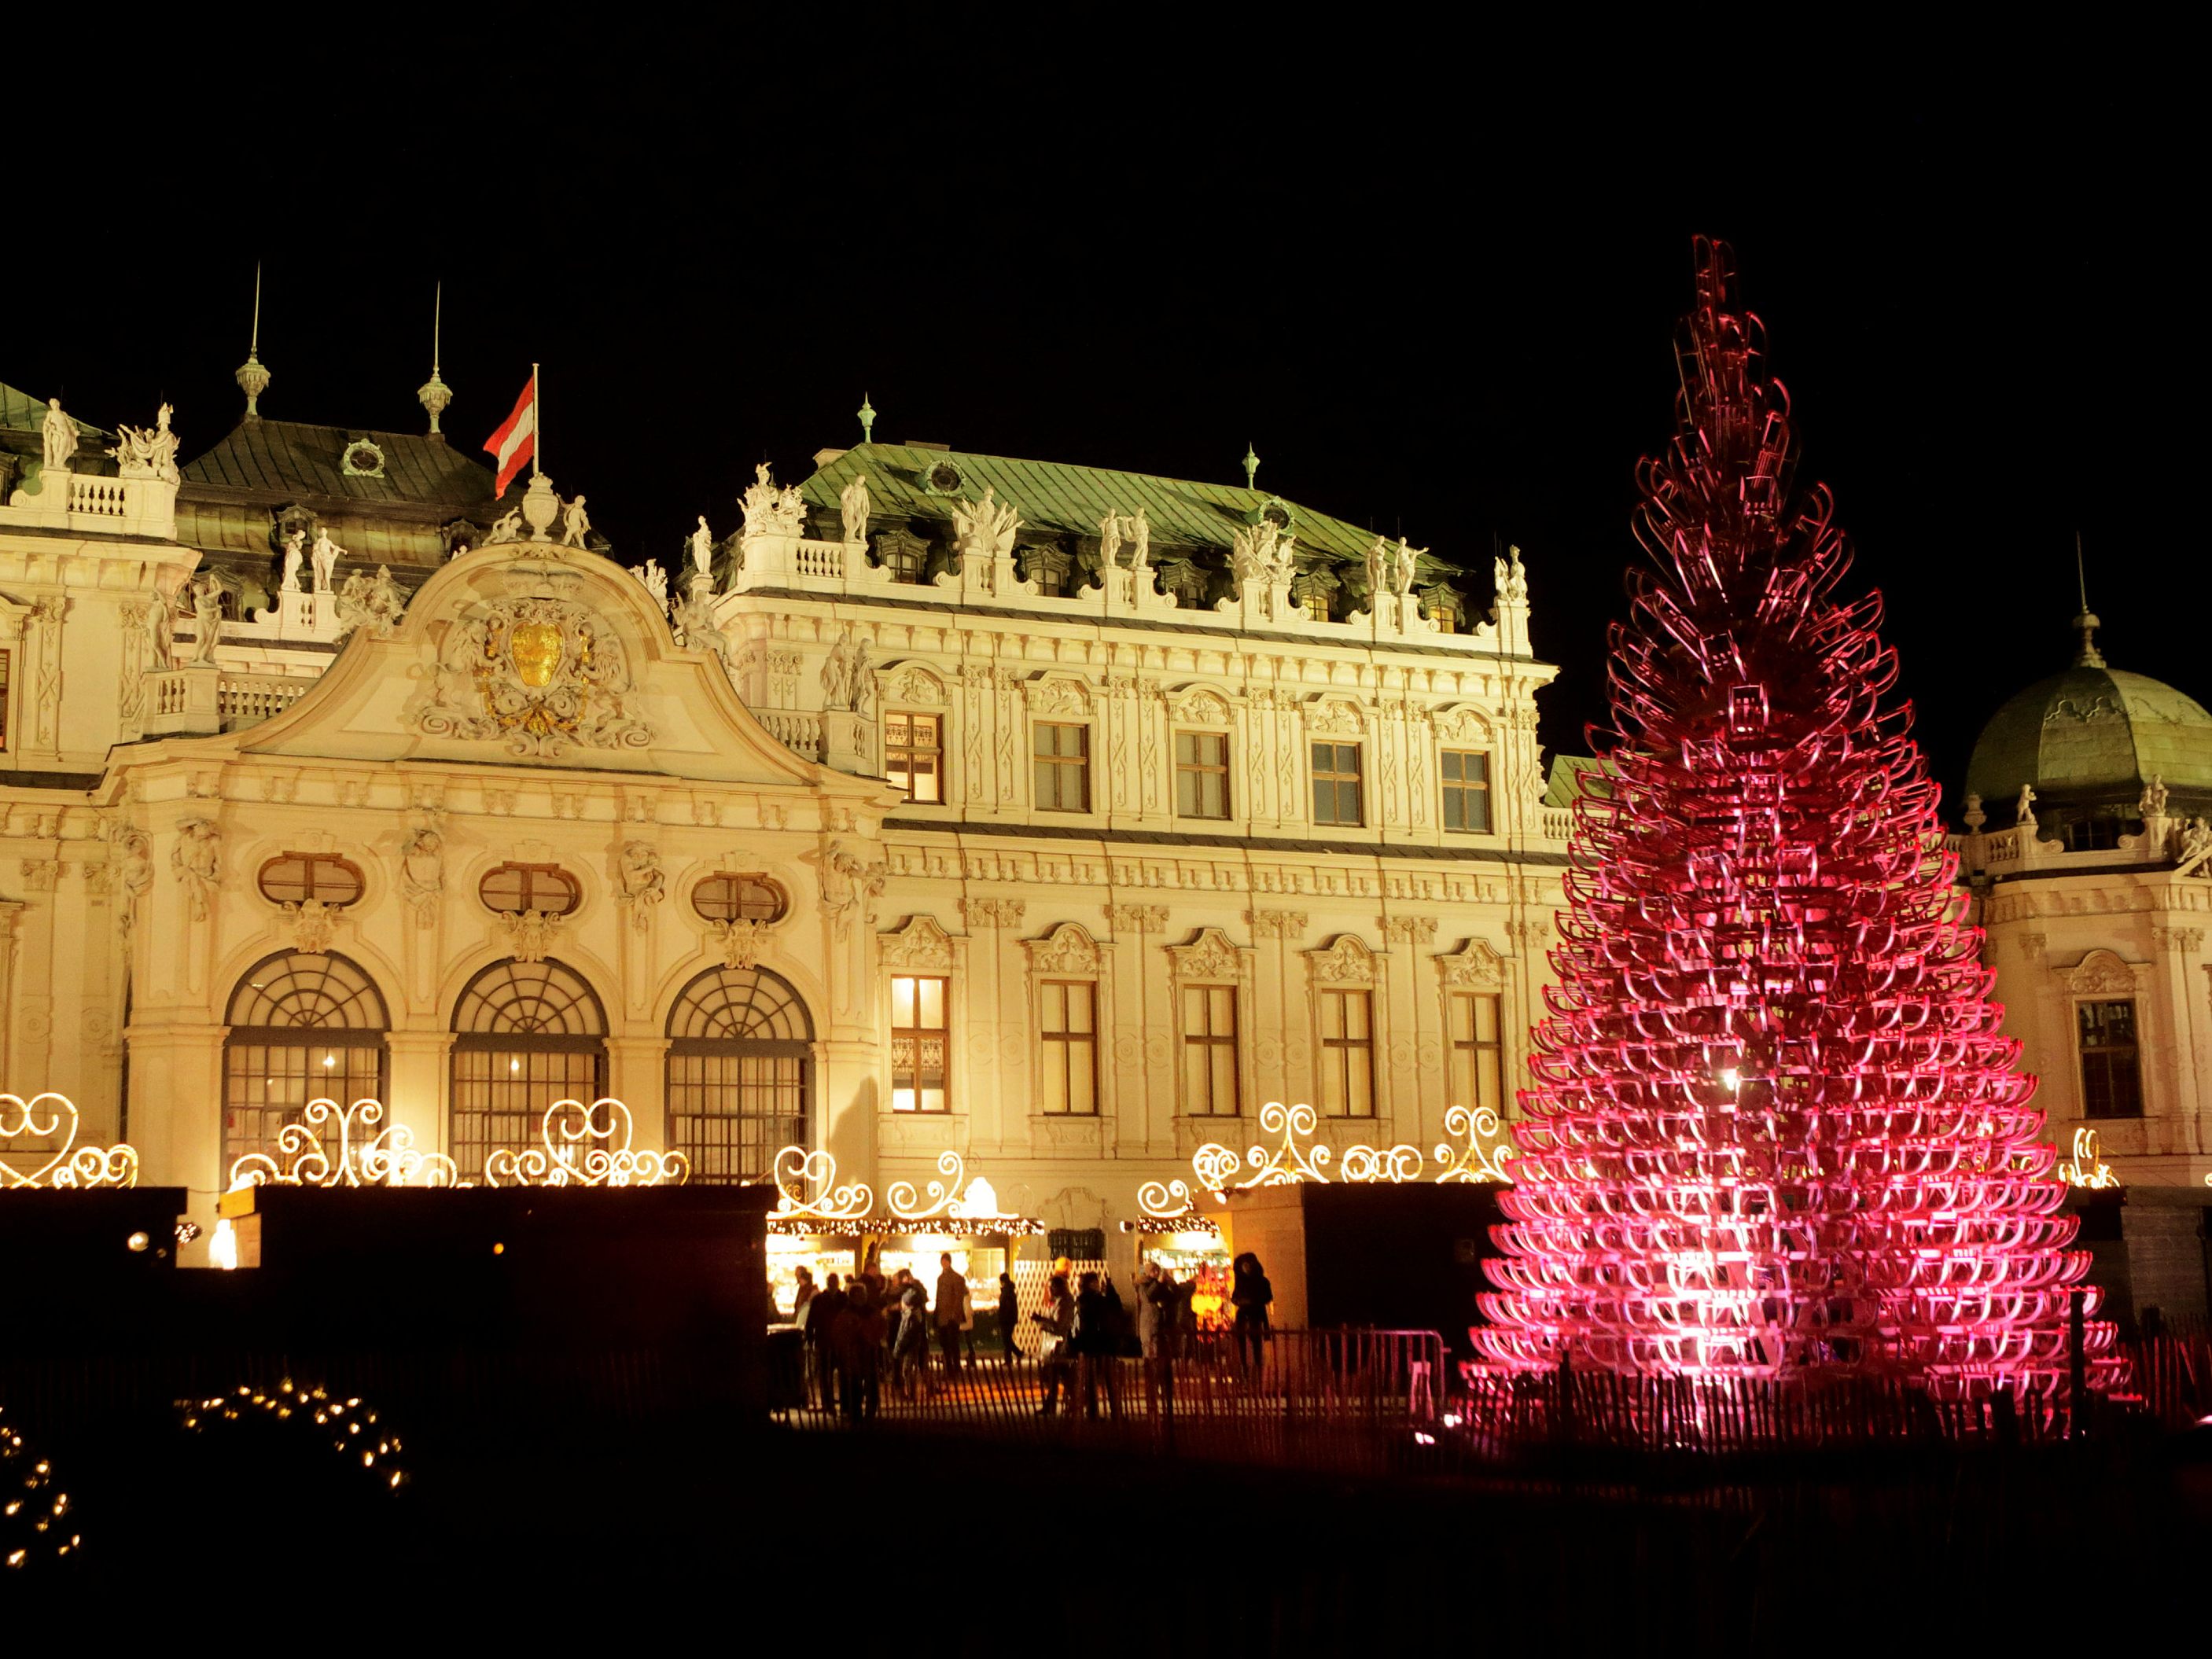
pixel 1395 1165
pixel 1483 1158
pixel 908 1205
pixel 582 1146
pixel 364 1156
pixel 808 1183
pixel 52 1116
pixel 2087 1169
pixel 1773 1127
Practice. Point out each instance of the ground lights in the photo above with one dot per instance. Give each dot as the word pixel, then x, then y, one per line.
pixel 1773 1127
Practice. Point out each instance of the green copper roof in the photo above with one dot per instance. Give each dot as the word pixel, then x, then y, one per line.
pixel 1572 776
pixel 20 412
pixel 2089 733
pixel 1055 499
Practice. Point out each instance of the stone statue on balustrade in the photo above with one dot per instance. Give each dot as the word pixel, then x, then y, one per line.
pixel 852 506
pixel 1402 561
pixel 694 624
pixel 656 582
pixel 1377 559
pixel 207 616
pixel 703 549
pixel 1139 531
pixel 374 603
pixel 2196 847
pixel 771 510
pixel 2023 813
pixel 575 524
pixel 987 527
pixel 1110 539
pixel 147 453
pixel 294 551
pixel 325 555
pixel 2153 804
pixel 57 434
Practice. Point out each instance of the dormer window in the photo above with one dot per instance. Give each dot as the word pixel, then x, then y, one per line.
pixel 362 460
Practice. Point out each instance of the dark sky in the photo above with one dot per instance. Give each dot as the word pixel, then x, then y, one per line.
pixel 1435 292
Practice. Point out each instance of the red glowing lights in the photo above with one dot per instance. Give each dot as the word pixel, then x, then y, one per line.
pixel 1773 1127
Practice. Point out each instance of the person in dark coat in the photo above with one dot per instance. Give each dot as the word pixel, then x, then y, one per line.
pixel 1092 1340
pixel 1250 1294
pixel 821 1322
pixel 1010 1314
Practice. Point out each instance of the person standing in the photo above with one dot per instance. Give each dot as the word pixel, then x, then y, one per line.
pixel 910 1346
pixel 1010 1314
pixel 952 1312
pixel 1055 1357
pixel 1092 1341
pixel 822 1312
pixel 1250 1294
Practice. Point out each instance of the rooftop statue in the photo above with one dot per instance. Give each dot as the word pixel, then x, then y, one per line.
pixel 656 582
pixel 702 548
pixel 771 510
pixel 853 505
pixel 1401 568
pixel 207 616
pixel 575 524
pixel 59 433
pixel 324 554
pixel 147 453
pixel 372 603
pixel 986 526
pixel 507 528
pixel 294 551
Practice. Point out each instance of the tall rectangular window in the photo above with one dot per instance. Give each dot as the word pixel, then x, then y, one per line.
pixel 1202 774
pixel 1336 783
pixel 1478 1074
pixel 1209 1050
pixel 2112 1082
pixel 920 1044
pixel 1467 791
pixel 1069 1024
pixel 1062 752
pixel 914 755
pixel 1347 1053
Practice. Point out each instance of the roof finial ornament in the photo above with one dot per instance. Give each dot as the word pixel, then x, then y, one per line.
pixel 435 394
pixel 867 414
pixel 1251 465
pixel 253 379
pixel 2085 621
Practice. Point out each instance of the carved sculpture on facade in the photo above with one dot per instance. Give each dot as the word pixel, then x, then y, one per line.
pixel 58 437
pixel 1376 560
pixel 739 940
pixel 2153 804
pixel 133 852
pixel 421 863
pixel 147 452
pixel 837 673
pixel 325 557
pixel 695 629
pixel 374 603
pixel 1067 951
pixel 536 673
pixel 1402 563
pixel 197 862
pixel 575 524
pixel 853 508
pixel 295 551
pixel 920 946
pixel 643 884
pixel 207 616
pixel 507 528
pixel 311 922
pixel 1347 962
pixel 656 582
pixel 161 638
pixel 2100 973
pixel 1511 578
pixel 772 509
pixel 849 883
pixel 987 527
pixel 2195 848
pixel 701 543
pixel 860 680
pixel 530 935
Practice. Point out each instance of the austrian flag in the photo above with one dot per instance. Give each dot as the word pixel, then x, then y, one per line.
pixel 516 440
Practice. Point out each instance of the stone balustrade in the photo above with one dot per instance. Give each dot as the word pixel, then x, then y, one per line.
pixel 94 503
pixel 797 731
pixel 202 698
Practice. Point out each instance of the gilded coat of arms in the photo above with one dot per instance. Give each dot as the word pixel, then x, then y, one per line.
pixel 537 674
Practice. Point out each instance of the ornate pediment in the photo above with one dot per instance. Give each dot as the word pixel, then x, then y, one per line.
pixel 1069 950
pixel 536 671
pixel 2103 974
pixel 1476 966
pixel 1210 958
pixel 1197 705
pixel 1347 962
pixel 914 685
pixel 1057 694
pixel 920 946
pixel 1332 717
pixel 1462 726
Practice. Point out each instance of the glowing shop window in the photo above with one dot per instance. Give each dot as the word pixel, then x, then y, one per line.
pixel 920 1045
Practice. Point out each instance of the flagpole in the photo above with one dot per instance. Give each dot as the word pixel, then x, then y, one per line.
pixel 537 419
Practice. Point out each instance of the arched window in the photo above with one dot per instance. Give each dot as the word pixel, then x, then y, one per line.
pixel 740 1072
pixel 302 1028
pixel 525 1034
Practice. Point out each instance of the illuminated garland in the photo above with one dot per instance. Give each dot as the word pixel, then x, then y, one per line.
pixel 1216 1167
pixel 73 1166
pixel 363 1158
pixel 887 1226
pixel 2087 1169
pixel 1483 1158
pixel 34 1513
pixel 349 1424
pixel 808 1183
pixel 586 1146
pixel 812 1203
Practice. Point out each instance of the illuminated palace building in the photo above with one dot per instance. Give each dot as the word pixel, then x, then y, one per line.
pixel 1054 816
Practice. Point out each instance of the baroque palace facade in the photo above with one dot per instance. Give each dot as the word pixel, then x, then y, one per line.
pixel 1055 816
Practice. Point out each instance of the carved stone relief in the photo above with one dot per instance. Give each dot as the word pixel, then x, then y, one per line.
pixel 920 946
pixel 1347 962
pixel 536 673
pixel 1067 951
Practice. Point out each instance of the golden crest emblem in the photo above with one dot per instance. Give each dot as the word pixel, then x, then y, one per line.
pixel 535 648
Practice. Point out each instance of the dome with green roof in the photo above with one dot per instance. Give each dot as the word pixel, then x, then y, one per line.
pixel 2087 741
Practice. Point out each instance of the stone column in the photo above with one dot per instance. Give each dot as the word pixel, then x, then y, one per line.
pixel 176 1110
pixel 416 1087
pixel 637 1076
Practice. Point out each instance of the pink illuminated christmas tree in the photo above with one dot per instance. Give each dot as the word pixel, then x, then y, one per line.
pixel 1774 1129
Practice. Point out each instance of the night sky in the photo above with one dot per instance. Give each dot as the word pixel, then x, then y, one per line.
pixel 1434 302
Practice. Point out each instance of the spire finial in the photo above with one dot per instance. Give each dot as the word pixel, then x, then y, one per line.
pixel 1251 465
pixel 434 394
pixel 253 379
pixel 867 414
pixel 2085 622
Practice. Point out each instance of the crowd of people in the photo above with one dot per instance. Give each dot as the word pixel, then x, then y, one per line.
pixel 867 1333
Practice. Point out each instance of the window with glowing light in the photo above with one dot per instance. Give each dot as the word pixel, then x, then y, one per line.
pixel 1063 754
pixel 512 888
pixel 2112 1080
pixel 739 1073
pixel 526 1035
pixel 1336 784
pixel 301 1028
pixel 1347 1053
pixel 914 755
pixel 1477 1070
pixel 1201 765
pixel 1068 1026
pixel 1467 791
pixel 1209 1050
pixel 920 1043
pixel 296 877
